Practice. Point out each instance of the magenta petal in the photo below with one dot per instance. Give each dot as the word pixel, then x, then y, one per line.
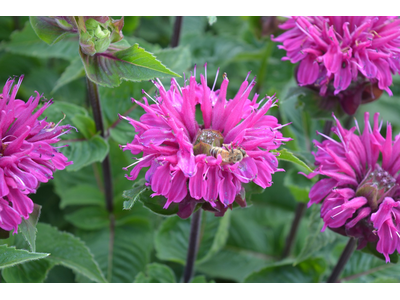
pixel 226 189
pixel 180 188
pixel 308 70
pixel 320 190
pixel 161 180
pixel 198 184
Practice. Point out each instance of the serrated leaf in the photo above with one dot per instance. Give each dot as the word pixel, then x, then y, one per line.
pixel 156 273
pixel 123 253
pixel 133 63
pixel 89 218
pixel 133 195
pixel 286 155
pixel 10 256
pixel 305 272
pixel 28 227
pixel 316 239
pixel 47 29
pixel 67 250
pixel 172 239
pixel 178 59
pixel 84 153
pixel 26 42
pixel 74 71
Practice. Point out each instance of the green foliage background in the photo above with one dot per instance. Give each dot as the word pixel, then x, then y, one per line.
pixel 87 244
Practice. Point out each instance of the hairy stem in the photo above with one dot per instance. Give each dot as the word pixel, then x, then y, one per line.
pixel 94 98
pixel 301 206
pixel 177 32
pixel 193 245
pixel 347 252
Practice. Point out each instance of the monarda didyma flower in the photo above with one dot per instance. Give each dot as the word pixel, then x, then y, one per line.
pixel 343 55
pixel 26 155
pixel 360 191
pixel 205 163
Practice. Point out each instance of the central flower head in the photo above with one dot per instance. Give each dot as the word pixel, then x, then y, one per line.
pixel 360 193
pixel 212 159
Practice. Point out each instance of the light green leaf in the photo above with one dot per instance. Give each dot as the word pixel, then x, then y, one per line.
pixel 85 125
pixel 74 71
pixel 68 250
pixel 212 20
pixel 133 63
pixel 178 59
pixel 10 256
pixel 156 273
pixel 284 154
pixel 133 195
pixel 28 227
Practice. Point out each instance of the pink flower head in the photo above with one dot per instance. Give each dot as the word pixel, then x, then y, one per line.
pixel 340 53
pixel 360 191
pixel 205 163
pixel 26 155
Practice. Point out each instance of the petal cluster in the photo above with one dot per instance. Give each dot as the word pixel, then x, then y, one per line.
pixel 27 157
pixel 194 163
pixel 359 191
pixel 336 51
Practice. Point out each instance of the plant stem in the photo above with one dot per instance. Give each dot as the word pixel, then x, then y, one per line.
pixel 177 32
pixel 193 245
pixel 301 206
pixel 94 99
pixel 347 252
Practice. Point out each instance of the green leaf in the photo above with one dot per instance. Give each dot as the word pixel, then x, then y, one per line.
pixel 233 264
pixel 10 256
pixel 156 273
pixel 28 227
pixel 178 59
pixel 84 194
pixel 156 204
pixel 26 42
pixel 122 253
pixel 84 153
pixel 172 239
pixel 85 125
pixel 67 250
pixel 316 239
pixel 47 29
pixel 29 272
pixel 284 154
pixel 74 71
pixel 133 63
pixel 89 218
pixel 298 185
pixel 305 272
pixel 134 194
pixel 201 279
